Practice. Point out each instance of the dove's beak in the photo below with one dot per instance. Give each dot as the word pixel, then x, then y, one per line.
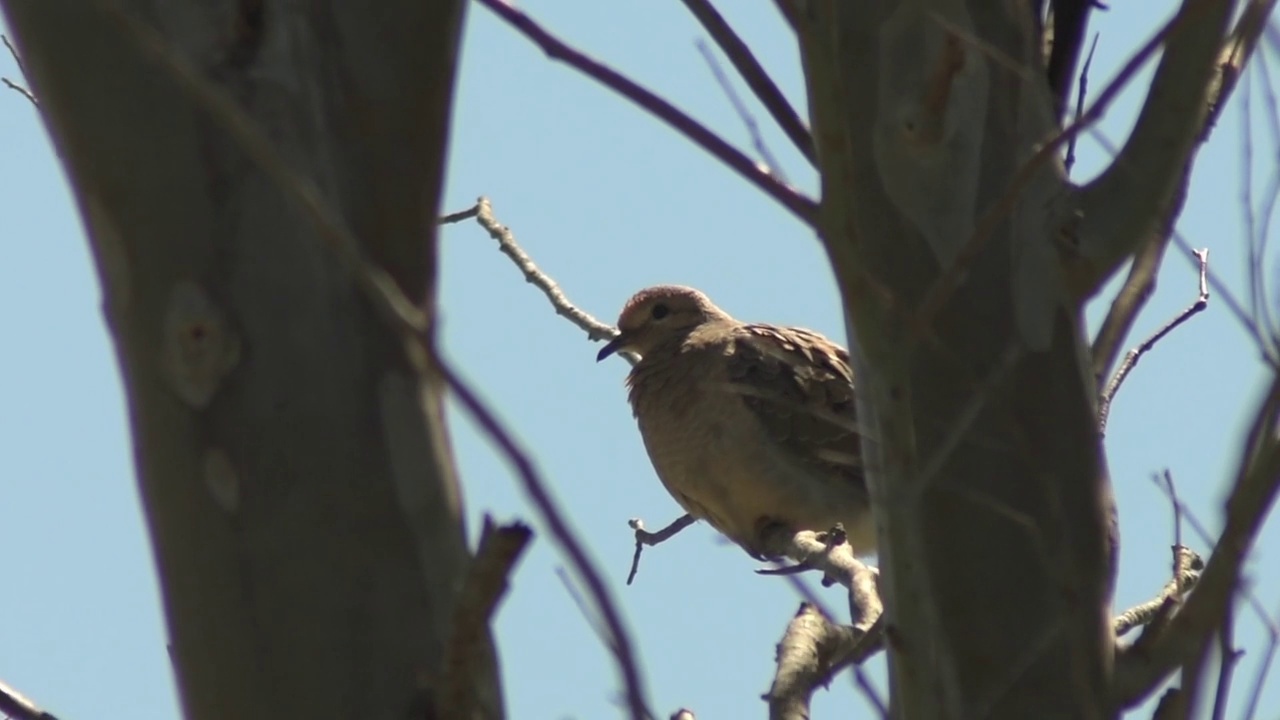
pixel 612 346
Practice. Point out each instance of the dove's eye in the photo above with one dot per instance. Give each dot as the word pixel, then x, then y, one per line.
pixel 659 311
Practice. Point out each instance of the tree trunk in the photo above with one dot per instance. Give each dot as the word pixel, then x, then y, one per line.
pixel 292 459
pixel 977 395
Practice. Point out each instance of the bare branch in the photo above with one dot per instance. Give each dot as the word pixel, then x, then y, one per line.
pixel 499 550
pixel 1142 192
pixel 22 70
pixel 1131 360
pixel 644 537
pixel 14 705
pixel 1139 285
pixel 811 651
pixel 756 77
pixel 1186 636
pixel 1186 575
pixel 830 554
pixel 619 640
pixel 802 207
pixel 595 329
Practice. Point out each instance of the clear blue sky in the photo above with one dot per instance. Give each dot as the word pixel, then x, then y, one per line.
pixel 607 201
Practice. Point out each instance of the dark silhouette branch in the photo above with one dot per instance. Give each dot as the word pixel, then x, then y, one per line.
pixel 1134 204
pixel 802 207
pixel 1082 92
pixel 1185 638
pixel 1228 659
pixel 1140 283
pixel 618 638
pixel 1070 20
pixel 756 77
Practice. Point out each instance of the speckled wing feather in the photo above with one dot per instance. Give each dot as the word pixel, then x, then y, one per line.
pixel 800 387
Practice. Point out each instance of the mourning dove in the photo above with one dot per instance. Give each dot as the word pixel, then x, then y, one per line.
pixel 747 426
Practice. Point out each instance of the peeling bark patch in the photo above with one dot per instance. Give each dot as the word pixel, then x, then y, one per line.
pixel 221 479
pixel 930 122
pixel 199 348
pixel 938 94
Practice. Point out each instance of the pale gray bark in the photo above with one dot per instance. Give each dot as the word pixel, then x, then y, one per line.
pixel 293 463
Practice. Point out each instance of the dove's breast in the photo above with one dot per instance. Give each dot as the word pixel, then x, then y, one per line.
pixel 722 465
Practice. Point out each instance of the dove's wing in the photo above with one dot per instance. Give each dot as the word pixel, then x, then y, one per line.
pixel 799 386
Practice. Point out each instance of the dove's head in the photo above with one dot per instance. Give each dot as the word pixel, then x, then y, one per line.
pixel 658 316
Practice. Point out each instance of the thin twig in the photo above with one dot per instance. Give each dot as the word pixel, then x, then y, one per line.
pixel 756 77
pixel 1131 360
pixel 486 582
pixel 22 70
pixel 584 609
pixel 753 128
pixel 802 207
pixel 14 705
pixel 1070 19
pixel 483 213
pixel 644 537
pixel 534 486
pixel 1070 160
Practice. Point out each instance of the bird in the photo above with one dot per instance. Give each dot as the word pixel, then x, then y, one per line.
pixel 748 426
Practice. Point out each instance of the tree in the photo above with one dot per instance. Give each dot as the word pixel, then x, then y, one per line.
pixel 963 254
